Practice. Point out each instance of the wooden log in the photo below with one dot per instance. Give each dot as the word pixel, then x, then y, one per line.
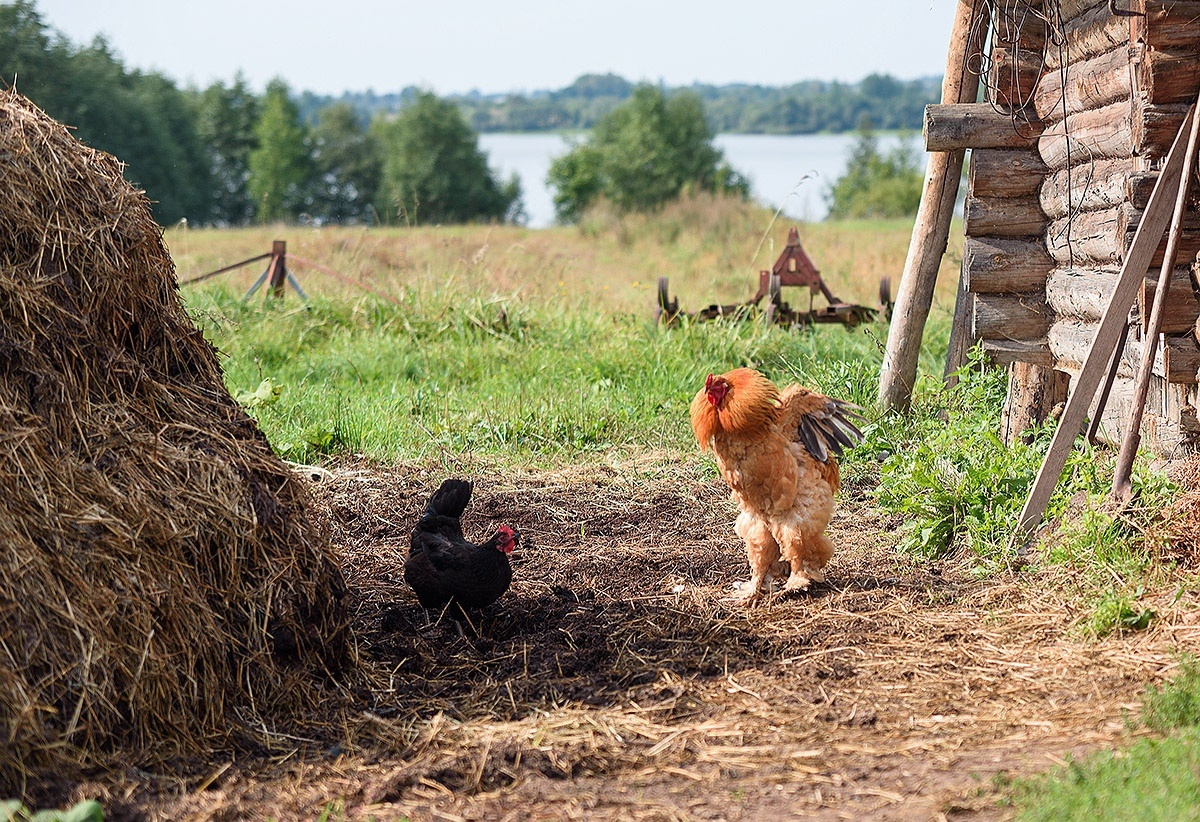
pixel 1105 236
pixel 1070 9
pixel 1003 217
pixel 1091 84
pixel 1095 237
pixel 1080 293
pixel 1138 188
pixel 1024 317
pixel 1179 356
pixel 931 228
pixel 1170 426
pixel 1092 32
pixel 958 126
pixel 1019 27
pixel 1169 77
pixel 1088 186
pixel 1005 352
pixel 1006 172
pixel 1071 340
pixel 1170 24
pixel 1181 310
pixel 1013 74
pixel 1034 391
pixel 1097 134
pixel 1003 265
pixel 1189 239
pixel 1154 129
pixel 958 348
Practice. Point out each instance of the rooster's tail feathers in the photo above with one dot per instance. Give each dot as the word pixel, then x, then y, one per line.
pixel 449 500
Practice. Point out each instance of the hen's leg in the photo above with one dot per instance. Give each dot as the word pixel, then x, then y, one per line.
pixel 761 549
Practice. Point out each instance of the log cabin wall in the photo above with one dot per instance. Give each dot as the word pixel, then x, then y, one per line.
pixel 1100 97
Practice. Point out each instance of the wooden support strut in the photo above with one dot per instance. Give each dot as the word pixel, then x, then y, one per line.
pixel 1145 241
pixel 1122 488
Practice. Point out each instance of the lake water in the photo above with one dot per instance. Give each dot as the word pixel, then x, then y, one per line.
pixel 792 171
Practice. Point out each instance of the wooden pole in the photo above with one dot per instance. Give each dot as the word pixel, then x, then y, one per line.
pixel 279 268
pixel 960 331
pixel 932 227
pixel 1122 488
pixel 1116 316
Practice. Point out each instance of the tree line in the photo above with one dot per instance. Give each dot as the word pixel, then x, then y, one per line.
pixel 224 155
pixel 808 107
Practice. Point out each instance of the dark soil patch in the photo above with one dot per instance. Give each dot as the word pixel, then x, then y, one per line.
pixel 616 680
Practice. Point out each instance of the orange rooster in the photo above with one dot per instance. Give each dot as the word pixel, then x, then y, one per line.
pixel 778 452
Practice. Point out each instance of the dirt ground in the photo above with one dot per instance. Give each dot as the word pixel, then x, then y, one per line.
pixel 618 680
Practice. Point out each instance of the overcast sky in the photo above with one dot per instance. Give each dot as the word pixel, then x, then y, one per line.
pixel 327 46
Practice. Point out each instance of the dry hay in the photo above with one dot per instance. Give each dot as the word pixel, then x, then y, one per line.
pixel 1182 518
pixel 161 570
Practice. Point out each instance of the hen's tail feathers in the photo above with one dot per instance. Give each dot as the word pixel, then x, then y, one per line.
pixel 832 432
pixel 449 500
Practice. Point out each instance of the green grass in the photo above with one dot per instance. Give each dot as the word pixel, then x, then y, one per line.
pixel 1155 779
pixel 454 374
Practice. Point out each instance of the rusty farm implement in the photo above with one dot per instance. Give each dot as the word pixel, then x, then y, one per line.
pixel 793 268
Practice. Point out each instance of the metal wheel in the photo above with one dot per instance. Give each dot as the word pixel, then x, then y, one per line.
pixel 885 297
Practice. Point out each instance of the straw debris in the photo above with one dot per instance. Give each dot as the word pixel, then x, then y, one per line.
pixel 160 568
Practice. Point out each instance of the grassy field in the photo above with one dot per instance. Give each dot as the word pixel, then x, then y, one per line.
pixel 528 346
pixel 504 349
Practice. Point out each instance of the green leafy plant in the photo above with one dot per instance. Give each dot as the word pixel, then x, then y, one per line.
pixel 1117 613
pixel 89 810
pixel 1177 703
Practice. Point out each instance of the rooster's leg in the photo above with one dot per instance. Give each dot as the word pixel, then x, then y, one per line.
pixel 762 551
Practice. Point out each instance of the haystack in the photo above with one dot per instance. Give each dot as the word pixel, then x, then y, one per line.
pixel 160 568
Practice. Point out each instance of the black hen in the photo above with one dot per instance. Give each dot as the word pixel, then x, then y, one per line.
pixel 443 566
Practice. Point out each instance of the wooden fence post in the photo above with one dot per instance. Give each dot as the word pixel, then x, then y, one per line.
pixel 279 270
pixel 932 227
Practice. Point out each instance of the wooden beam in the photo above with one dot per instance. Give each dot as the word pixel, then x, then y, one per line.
pixel 958 126
pixel 1137 263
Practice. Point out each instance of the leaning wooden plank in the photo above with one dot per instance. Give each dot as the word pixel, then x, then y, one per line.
pixel 1122 488
pixel 1137 263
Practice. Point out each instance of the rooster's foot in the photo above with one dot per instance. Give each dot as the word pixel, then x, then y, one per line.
pixel 797 582
pixel 747 592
